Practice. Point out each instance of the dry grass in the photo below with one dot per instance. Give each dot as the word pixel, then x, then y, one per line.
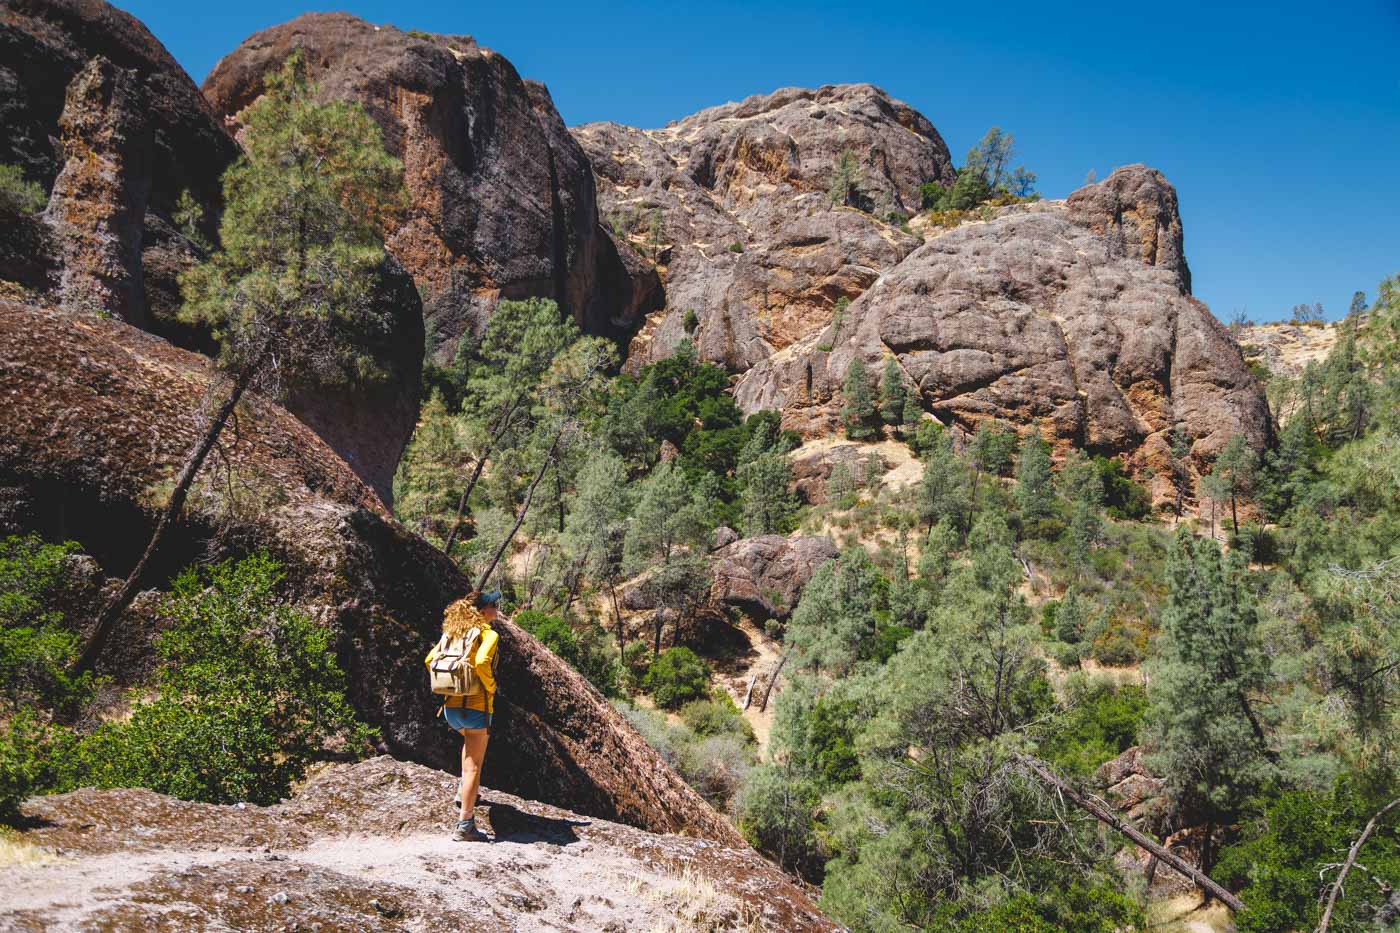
pixel 694 904
pixel 16 852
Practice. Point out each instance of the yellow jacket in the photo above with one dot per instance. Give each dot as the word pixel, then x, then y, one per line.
pixel 485 664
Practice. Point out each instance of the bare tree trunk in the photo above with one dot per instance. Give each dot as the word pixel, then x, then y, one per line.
pixel 621 629
pixel 748 694
pixel 1351 860
pixel 1104 815
pixel 462 503
pixel 763 705
pixel 522 512
pixel 111 613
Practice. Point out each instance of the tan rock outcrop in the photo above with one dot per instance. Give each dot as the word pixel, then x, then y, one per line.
pixel 503 203
pixel 732 203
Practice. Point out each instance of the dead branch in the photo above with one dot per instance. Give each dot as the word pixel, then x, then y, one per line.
pixel 1351 860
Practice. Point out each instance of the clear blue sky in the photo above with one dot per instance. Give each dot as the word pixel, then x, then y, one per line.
pixel 1279 123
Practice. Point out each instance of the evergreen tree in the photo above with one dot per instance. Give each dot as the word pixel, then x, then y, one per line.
pixel 912 413
pixel 858 415
pixel 768 504
pixel 1035 497
pixel 1071 618
pixel 1233 476
pixel 1208 741
pixel 936 559
pixel 893 395
pixel 430 476
pixel 840 485
pixel 596 529
pixel 1082 486
pixel 666 540
pixel 943 490
pixel 846 177
pixel 297 294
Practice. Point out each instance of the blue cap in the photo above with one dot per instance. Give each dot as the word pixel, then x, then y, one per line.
pixel 489 598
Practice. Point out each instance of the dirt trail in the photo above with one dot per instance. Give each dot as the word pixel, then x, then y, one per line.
pixel 367 847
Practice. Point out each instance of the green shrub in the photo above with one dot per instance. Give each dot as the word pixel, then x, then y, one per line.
pixel 1116 648
pixel 36 648
pixel 248 694
pixel 716 716
pixel 1100 725
pixel 716 766
pixel 676 677
pixel 736 247
pixel 1126 499
pixel 636 658
pixel 1277 867
pixel 33 759
pixel 691 321
pixel 589 652
pixel 19 195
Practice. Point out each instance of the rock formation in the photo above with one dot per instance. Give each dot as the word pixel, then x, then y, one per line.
pixel 765 575
pixel 503 201
pixel 364 847
pixel 97 416
pixel 97 208
pixel 732 203
pixel 105 118
pixel 1135 210
pixel 1034 318
pixel 141 118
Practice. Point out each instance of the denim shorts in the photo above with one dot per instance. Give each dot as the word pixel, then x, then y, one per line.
pixel 460 717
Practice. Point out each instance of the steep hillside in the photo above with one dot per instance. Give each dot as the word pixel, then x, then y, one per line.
pixel 366 847
pixel 96 418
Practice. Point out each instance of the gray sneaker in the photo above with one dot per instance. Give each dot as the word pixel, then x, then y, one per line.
pixel 466 831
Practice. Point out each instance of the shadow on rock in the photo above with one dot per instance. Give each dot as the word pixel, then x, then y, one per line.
pixel 509 824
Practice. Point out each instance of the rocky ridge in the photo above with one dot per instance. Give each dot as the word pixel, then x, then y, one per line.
pixel 365 846
pixel 732 204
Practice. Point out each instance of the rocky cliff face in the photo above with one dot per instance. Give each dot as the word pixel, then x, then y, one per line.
pixel 503 201
pixel 96 419
pixel 732 204
pixel 99 112
pixel 1037 318
pixel 121 144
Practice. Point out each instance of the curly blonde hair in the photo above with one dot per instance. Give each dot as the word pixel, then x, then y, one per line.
pixel 462 616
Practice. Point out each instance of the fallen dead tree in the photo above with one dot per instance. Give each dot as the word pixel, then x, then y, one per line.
pixel 1101 812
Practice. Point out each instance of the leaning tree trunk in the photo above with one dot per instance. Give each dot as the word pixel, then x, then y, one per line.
pixel 1104 815
pixel 520 515
pixel 111 613
pixel 1351 860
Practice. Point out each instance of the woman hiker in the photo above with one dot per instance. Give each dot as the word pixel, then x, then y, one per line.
pixel 470 713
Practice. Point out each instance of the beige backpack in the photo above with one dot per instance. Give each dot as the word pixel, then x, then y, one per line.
pixel 452 673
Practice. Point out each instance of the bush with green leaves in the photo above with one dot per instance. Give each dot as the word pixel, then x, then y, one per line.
pixel 19 195
pixel 716 715
pixel 676 677
pixel 248 694
pixel 37 648
pixel 588 651
pixel 716 764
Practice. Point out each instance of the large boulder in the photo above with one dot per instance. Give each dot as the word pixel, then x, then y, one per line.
pixel 732 204
pixel 765 575
pixel 1135 209
pixel 503 203
pixel 95 418
pixel 1033 318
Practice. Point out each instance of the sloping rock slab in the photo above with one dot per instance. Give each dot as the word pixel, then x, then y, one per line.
pixel 765 575
pixel 366 846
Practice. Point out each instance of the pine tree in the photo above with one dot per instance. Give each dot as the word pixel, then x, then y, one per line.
pixel 430 475
pixel 596 529
pixel 1233 476
pixel 666 540
pixel 1082 486
pixel 943 490
pixel 859 411
pixel 1208 740
pixel 840 485
pixel 1071 619
pixel 768 504
pixel 845 178
pixel 297 294
pixel 1035 497
pixel 893 395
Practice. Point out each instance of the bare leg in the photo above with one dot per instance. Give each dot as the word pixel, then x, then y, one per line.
pixel 473 755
